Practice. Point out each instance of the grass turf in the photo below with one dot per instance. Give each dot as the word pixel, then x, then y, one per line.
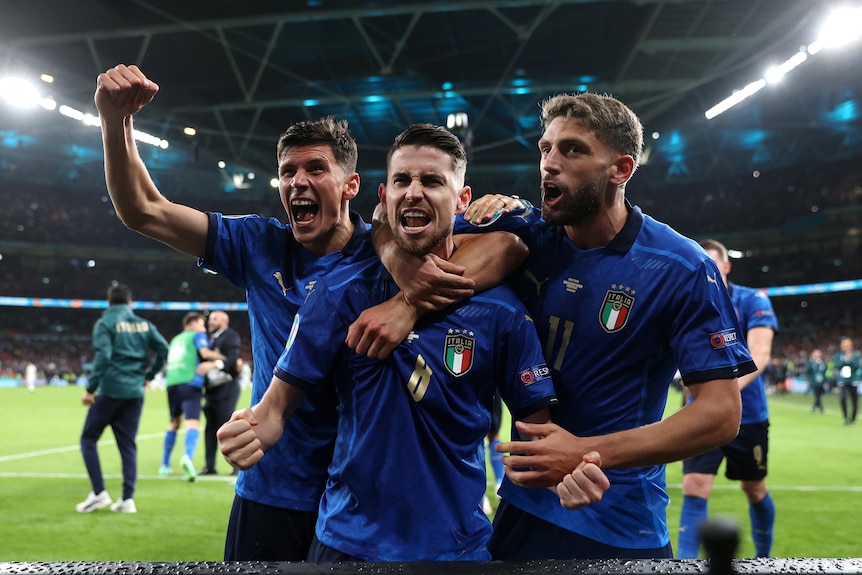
pixel 814 464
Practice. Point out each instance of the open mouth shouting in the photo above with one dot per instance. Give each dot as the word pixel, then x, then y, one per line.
pixel 304 211
pixel 550 192
pixel 414 220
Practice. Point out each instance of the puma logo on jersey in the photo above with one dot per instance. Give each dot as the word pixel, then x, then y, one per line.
pixel 278 277
pixel 529 275
pixel 711 279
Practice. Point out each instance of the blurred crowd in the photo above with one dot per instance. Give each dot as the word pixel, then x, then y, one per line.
pixel 66 242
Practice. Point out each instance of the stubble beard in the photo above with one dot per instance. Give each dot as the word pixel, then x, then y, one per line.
pixel 417 246
pixel 576 207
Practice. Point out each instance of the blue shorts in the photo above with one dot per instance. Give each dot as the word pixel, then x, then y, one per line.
pixel 185 400
pixel 746 455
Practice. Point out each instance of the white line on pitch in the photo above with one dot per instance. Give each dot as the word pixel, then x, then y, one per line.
pixel 850 488
pixel 28 475
pixel 30 454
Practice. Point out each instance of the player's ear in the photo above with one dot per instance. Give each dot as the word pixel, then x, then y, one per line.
pixel 351 187
pixel 381 193
pixel 463 200
pixel 622 169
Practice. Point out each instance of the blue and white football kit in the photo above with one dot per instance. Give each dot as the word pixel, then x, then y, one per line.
pixel 408 474
pixel 616 323
pixel 262 256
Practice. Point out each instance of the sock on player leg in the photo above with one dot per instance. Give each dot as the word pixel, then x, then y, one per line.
pixel 694 512
pixel 191 442
pixel 170 440
pixel 762 516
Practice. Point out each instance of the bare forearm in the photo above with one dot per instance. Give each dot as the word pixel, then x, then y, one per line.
pixel 129 184
pixel 681 435
pixel 488 258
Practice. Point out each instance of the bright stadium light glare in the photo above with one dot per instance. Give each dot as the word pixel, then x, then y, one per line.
pixel 775 74
pixel 735 99
pixel 90 120
pixel 48 103
pixel 841 27
pixel 47 78
pixel 273 183
pixel 18 92
pixel 70 112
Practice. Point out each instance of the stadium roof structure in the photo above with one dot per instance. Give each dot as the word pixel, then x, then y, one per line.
pixel 240 72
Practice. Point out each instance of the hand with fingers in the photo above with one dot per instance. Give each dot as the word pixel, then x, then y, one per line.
pixel 433 285
pixel 238 440
pixel 586 484
pixel 487 207
pixel 544 461
pixel 122 91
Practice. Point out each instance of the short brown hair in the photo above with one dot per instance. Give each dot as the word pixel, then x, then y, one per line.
pixel 614 123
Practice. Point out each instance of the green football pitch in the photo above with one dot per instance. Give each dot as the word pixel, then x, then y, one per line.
pixel 815 465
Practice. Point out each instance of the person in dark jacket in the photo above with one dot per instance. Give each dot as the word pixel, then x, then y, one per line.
pixel 122 366
pixel 222 388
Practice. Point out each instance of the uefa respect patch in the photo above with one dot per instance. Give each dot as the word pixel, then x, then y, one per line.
pixel 723 339
pixel 534 374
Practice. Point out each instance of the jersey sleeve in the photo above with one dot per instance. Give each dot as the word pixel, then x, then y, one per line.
pixel 316 337
pixel 231 245
pixel 103 346
pixel 706 332
pixel 759 312
pixel 159 345
pixel 524 381
pixel 519 222
pixel 202 341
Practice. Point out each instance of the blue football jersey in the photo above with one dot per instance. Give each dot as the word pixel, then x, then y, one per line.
pixel 408 474
pixel 262 256
pixel 616 323
pixel 753 309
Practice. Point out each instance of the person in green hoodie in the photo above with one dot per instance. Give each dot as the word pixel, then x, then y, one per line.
pixel 122 367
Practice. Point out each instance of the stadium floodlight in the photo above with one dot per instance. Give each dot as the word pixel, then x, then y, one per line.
pixel 841 27
pixel 774 75
pixel 70 112
pixel 18 92
pixel 735 99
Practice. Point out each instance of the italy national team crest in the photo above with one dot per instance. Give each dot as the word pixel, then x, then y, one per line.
pixel 615 310
pixel 458 355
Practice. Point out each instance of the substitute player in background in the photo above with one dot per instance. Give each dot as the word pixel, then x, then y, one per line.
pixel 122 366
pixel 745 456
pixel 275 508
pixel 620 302
pixel 190 357
pixel 408 474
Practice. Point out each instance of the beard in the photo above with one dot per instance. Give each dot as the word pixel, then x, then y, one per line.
pixel 575 207
pixel 421 246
